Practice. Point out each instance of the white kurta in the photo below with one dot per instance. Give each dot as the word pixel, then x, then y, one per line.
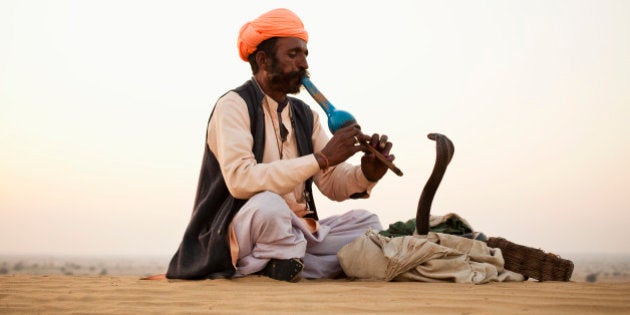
pixel 282 173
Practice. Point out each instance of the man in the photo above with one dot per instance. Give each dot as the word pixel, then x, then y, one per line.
pixel 254 212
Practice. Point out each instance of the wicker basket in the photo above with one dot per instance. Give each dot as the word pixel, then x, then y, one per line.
pixel 531 262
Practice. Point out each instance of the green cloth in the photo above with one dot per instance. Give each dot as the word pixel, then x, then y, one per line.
pixel 452 225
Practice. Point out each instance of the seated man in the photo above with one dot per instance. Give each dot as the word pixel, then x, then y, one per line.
pixel 254 212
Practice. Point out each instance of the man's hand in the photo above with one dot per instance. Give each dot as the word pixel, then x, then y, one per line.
pixel 349 140
pixel 343 144
pixel 372 167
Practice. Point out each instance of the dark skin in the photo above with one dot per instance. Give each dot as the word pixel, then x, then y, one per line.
pixel 283 74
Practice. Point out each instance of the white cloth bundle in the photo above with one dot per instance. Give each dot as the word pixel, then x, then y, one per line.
pixel 434 258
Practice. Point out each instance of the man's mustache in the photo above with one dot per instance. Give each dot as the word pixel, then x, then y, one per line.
pixel 289 76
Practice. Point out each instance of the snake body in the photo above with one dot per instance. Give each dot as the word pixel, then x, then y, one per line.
pixel 444 154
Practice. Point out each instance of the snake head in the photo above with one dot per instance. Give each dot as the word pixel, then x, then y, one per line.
pixel 444 144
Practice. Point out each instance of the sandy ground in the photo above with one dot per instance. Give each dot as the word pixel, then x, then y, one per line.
pixel 33 294
pixel 96 285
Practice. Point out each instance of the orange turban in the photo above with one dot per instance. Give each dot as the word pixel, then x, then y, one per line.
pixel 275 23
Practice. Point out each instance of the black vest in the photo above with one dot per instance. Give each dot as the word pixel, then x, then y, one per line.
pixel 205 251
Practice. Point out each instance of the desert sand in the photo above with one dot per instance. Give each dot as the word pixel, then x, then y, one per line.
pixel 35 294
pixel 96 285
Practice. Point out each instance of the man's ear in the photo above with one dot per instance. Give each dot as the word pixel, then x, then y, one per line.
pixel 262 60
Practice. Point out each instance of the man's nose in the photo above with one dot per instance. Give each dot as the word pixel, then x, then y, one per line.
pixel 302 63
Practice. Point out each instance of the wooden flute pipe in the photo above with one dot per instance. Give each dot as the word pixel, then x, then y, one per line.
pixel 338 119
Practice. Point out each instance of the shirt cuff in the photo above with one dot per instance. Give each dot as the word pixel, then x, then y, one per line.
pixel 362 181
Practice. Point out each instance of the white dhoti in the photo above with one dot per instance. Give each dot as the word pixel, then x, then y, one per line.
pixel 266 228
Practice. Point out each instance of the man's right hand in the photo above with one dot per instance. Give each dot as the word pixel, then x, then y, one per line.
pixel 343 144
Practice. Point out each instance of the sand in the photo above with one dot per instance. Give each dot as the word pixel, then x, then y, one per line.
pixel 32 294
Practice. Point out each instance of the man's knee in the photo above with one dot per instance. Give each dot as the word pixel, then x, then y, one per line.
pixel 366 218
pixel 269 206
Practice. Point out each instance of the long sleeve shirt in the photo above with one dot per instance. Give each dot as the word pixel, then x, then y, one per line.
pixel 282 170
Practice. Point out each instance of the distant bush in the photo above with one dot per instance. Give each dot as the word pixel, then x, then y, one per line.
pixel 18 266
pixel 4 271
pixel 103 272
pixel 74 266
pixel 592 277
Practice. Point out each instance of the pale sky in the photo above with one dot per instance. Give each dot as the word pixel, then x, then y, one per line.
pixel 104 104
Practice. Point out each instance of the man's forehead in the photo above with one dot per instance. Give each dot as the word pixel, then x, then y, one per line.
pixel 291 43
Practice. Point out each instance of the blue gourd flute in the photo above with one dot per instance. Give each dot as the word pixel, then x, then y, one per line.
pixel 338 119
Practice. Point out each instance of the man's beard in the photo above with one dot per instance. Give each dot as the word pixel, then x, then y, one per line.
pixel 288 83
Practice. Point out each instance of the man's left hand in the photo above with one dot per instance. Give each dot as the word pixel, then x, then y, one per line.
pixel 372 167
